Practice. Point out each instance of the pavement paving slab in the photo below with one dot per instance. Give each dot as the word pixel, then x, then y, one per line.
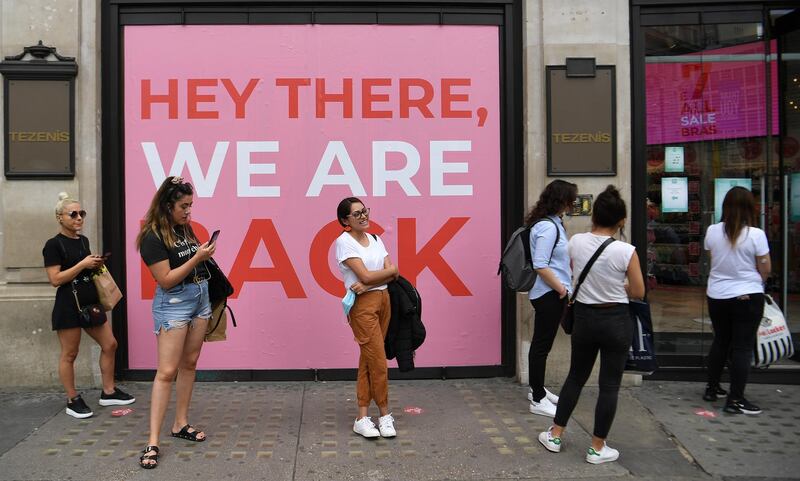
pixel 447 430
pixel 734 446
pixel 24 413
pixel 454 430
pixel 252 431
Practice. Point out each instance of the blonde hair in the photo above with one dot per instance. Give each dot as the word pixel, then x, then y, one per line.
pixel 64 199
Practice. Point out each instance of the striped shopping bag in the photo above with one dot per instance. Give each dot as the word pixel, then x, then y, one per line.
pixel 774 340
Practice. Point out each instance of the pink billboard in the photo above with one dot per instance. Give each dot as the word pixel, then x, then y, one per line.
pixel 274 125
pixel 710 95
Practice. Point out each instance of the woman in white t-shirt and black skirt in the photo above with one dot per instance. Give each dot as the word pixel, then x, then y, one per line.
pixel 602 323
pixel 740 264
pixel 367 268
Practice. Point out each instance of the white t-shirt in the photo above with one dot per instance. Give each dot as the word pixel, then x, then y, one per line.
pixel 733 268
pixel 372 256
pixel 606 279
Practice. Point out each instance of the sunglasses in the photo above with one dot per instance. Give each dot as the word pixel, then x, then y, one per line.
pixel 360 213
pixel 75 213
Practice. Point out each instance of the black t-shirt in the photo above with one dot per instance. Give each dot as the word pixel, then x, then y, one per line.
pixel 66 252
pixel 154 250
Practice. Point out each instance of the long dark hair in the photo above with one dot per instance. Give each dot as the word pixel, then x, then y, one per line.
pixel 343 209
pixel 158 218
pixel 552 200
pixel 738 211
pixel 609 208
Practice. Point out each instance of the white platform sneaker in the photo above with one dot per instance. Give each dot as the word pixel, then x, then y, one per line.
pixel 386 426
pixel 543 408
pixel 366 428
pixel 605 455
pixel 550 396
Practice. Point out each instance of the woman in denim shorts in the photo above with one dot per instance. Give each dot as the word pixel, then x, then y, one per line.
pixel 181 308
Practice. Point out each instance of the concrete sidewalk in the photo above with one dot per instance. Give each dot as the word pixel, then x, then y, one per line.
pixel 447 430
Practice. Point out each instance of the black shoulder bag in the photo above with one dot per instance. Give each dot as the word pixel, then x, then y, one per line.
pixel 568 315
pixel 92 315
pixel 219 289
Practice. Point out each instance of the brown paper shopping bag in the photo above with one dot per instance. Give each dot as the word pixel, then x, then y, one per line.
pixel 107 289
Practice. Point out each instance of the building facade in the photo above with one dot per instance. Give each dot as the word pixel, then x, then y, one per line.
pixel 436 113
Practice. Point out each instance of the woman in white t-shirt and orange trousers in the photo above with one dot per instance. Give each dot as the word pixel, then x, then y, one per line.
pixel 602 323
pixel 740 264
pixel 367 268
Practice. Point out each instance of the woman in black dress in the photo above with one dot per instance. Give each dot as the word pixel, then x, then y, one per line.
pixel 69 264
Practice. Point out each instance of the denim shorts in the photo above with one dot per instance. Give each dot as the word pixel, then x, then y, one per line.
pixel 179 306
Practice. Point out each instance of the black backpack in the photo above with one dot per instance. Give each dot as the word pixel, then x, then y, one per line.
pixel 516 263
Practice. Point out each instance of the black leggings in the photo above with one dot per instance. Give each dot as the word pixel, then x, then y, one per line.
pixel 545 327
pixel 607 330
pixel 735 323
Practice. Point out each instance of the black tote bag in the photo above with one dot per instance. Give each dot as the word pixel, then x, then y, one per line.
pixel 642 354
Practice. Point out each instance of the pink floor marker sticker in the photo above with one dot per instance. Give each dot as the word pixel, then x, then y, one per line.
pixel 121 412
pixel 412 410
pixel 706 414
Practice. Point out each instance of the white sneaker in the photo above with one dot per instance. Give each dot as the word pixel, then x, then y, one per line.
pixel 386 426
pixel 550 442
pixel 544 408
pixel 550 396
pixel 366 428
pixel 605 455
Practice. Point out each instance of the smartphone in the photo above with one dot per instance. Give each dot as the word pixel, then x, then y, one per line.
pixel 106 255
pixel 214 237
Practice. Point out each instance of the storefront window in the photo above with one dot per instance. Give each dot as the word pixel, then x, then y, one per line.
pixel 787 27
pixel 711 123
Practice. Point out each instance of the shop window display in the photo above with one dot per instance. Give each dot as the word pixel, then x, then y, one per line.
pixel 706 97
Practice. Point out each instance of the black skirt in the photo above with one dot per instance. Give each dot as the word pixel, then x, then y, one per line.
pixel 65 310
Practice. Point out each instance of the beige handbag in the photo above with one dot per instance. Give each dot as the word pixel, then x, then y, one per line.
pixel 107 290
pixel 218 324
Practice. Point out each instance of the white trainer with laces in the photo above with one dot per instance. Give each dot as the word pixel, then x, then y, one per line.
pixel 550 396
pixel 543 408
pixel 550 442
pixel 605 455
pixel 366 428
pixel 386 426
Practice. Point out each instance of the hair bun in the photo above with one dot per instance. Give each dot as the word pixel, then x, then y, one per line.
pixel 63 195
pixel 613 191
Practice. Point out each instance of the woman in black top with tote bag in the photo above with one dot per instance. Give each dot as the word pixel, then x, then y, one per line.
pixel 69 264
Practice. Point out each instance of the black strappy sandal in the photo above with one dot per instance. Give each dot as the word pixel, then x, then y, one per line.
pixel 146 456
pixel 185 434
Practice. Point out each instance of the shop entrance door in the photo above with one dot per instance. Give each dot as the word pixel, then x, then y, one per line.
pixel 787 33
pixel 711 115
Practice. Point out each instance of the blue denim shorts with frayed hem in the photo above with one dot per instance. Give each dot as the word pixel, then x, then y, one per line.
pixel 180 305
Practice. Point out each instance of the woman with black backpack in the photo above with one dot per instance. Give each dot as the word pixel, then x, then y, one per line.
pixel 548 244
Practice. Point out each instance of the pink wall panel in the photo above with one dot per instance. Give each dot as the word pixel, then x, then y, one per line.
pixel 238 111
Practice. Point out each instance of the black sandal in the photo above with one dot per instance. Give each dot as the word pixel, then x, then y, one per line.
pixel 151 457
pixel 185 434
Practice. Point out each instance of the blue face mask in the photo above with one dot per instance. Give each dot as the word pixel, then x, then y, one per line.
pixel 347 301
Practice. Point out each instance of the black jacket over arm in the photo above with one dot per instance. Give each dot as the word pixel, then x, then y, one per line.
pixel 406 331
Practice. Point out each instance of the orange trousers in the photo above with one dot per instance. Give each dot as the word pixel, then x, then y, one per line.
pixel 369 319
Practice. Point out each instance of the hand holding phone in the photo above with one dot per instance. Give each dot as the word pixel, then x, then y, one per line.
pixel 214 237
